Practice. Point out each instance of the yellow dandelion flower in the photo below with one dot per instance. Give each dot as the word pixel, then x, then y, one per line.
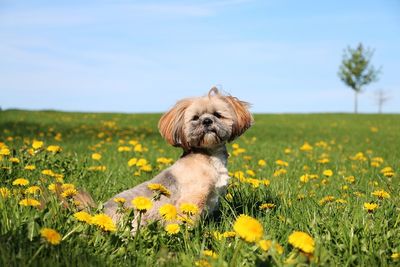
pixel 358 194
pixel 83 216
pixel 37 144
pixel 185 219
pixel 138 148
pixel 395 256
pixel 359 156
pixel 381 194
pixel 30 167
pixel 326 200
pixel 304 178
pixel 124 149
pixel 350 179
pixel 238 151
pixel 101 168
pixel 33 190
pixel 104 222
pixel 141 162
pixel 378 159
pixel 388 174
pixel 239 175
pixel 4 151
pixel 374 129
pixel 210 253
pixel 67 186
pixel 217 235
pixel 279 172
pixel 133 142
pixel 267 206
pixel 375 164
pixel 189 208
pixel 146 168
pixel 321 144
pixel 202 263
pixel 370 207
pixel 306 147
pixel 229 234
pixel 51 236
pixel 280 162
pixel 163 160
pixel 132 162
pixel 301 196
pixel 52 187
pixel 59 177
pixel 48 172
pixel 327 173
pixel 250 172
pixel 96 156
pixel 168 212
pixel 266 182
pixel 29 202
pixel 54 149
pixel 323 161
pixel 14 160
pixel 142 203
pixel 341 201
pixel 262 163
pixel 119 200
pixel 386 169
pixel 254 182
pixel 4 192
pixel 248 228
pixel 20 182
pixel 172 229
pixel 266 246
pixel 58 137
pixel 302 241
pixel 69 193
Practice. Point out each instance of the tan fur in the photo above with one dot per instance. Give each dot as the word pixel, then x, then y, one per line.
pixel 201 180
pixel 170 124
pixel 201 127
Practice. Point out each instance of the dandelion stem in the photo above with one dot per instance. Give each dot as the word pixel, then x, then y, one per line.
pixel 235 254
pixel 137 234
pixel 69 233
pixel 35 255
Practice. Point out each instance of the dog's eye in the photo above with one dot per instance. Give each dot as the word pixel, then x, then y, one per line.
pixel 195 118
pixel 217 114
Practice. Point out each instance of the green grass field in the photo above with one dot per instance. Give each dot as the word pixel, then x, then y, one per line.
pixel 320 189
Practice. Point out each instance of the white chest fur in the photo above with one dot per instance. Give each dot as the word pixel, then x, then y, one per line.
pixel 218 161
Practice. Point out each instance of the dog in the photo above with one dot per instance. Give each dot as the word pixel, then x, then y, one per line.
pixel 201 126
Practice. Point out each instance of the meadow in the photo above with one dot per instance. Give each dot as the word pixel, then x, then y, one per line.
pixel 317 189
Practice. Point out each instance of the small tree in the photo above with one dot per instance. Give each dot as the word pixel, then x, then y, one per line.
pixel 356 70
pixel 381 97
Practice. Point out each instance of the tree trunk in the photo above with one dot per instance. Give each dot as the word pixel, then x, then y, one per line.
pixel 355 102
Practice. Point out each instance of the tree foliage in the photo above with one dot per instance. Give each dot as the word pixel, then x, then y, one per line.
pixel 356 70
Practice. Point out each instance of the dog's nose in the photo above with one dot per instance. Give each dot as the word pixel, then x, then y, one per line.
pixel 207 121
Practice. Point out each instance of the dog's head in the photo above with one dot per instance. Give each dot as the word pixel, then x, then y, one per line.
pixel 205 122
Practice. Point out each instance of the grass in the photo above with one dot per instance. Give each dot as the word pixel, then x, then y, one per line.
pixel 329 208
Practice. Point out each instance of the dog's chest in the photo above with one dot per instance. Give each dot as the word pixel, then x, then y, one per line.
pixel 218 162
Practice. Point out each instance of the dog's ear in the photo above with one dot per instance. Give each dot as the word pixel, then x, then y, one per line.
pixel 244 119
pixel 171 124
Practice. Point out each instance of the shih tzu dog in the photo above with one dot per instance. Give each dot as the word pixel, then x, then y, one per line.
pixel 201 126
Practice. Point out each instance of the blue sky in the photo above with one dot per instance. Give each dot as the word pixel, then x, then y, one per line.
pixel 142 56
